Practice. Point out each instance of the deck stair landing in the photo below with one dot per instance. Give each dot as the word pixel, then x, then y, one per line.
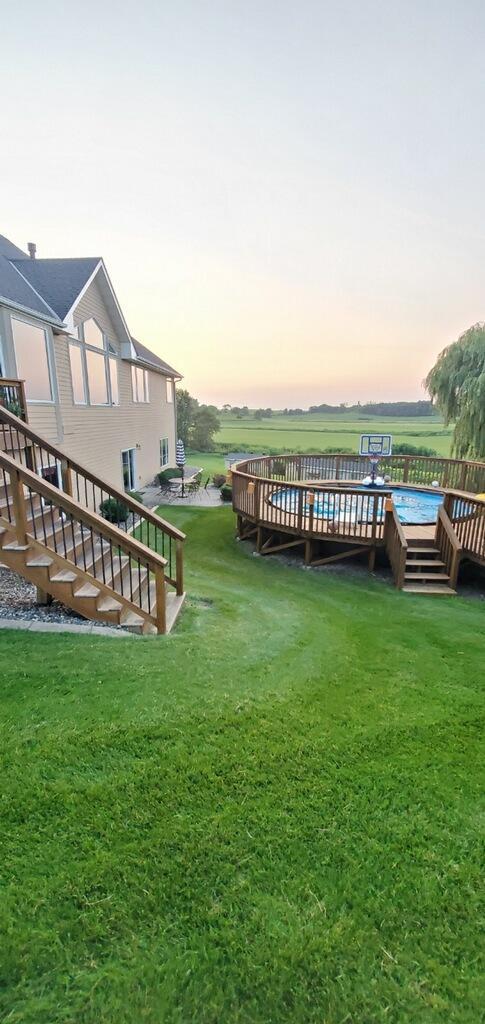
pixel 127 573
pixel 425 572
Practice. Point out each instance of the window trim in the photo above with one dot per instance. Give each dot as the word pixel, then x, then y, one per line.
pixel 164 464
pixel 126 451
pixel 50 361
pixel 108 352
pixel 135 369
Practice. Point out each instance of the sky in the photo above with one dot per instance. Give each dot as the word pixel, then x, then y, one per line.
pixel 289 196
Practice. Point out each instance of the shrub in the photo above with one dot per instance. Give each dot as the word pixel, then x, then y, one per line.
pixel 219 479
pixel 412 449
pixel 166 475
pixel 114 510
pixel 226 492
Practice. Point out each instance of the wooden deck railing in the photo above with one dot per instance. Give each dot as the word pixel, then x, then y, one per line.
pixel 312 510
pixel 463 475
pixel 115 560
pixel 448 544
pixel 466 515
pixel 12 397
pixel 91 492
pixel 396 544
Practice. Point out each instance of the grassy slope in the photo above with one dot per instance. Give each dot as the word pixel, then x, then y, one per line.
pixel 314 432
pixel 269 817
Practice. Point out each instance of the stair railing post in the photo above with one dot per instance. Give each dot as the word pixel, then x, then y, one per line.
pixel 66 477
pixel 20 511
pixel 179 563
pixel 161 600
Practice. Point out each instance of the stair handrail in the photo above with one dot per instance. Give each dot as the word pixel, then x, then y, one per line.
pixel 20 476
pixel 113 491
pixel 448 544
pixel 396 543
pixel 60 499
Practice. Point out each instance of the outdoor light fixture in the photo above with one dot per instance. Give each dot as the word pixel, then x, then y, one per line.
pixel 251 487
pixel 310 498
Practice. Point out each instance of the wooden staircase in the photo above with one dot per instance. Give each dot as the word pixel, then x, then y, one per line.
pixel 422 567
pixel 425 572
pixel 127 573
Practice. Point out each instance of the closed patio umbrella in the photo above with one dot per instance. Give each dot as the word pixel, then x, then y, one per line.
pixel 180 461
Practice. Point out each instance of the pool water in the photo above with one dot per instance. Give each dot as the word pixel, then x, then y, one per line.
pixel 413 507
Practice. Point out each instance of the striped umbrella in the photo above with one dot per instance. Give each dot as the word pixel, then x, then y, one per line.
pixel 180 461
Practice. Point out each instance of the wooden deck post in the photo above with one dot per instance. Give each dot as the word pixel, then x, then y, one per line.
pixel 18 501
pixel 161 601
pixel 179 562
pixel 66 477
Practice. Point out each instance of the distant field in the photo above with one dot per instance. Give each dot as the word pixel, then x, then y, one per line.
pixel 312 432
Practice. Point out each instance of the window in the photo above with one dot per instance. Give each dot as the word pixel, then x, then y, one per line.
pixel 32 360
pixel 93 334
pixel 77 375
pixel 169 390
pixel 94 367
pixel 128 469
pixel 139 381
pixel 113 380
pixel 97 379
pixel 164 452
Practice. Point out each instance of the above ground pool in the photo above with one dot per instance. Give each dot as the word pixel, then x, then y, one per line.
pixel 414 507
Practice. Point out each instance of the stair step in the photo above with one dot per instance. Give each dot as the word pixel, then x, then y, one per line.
pixel 425 562
pixel 109 604
pixel 64 577
pixel 15 547
pixel 87 590
pixel 40 562
pixel 130 620
pixel 415 577
pixel 423 550
pixel 428 588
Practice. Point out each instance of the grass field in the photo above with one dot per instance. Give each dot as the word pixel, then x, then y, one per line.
pixel 270 817
pixel 313 432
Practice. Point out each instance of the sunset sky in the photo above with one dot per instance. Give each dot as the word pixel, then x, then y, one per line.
pixel 289 197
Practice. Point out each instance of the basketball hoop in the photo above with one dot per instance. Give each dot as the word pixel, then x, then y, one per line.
pixel 375 447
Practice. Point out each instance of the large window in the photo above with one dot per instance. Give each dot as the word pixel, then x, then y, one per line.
pixel 94 367
pixel 97 377
pixel 77 374
pixel 32 358
pixel 163 452
pixel 93 334
pixel 139 381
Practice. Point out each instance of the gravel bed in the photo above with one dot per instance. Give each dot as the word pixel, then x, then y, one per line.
pixel 17 601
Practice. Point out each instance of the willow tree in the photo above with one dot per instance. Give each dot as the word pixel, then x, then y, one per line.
pixel 457 387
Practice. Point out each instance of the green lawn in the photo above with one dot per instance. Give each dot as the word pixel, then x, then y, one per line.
pixel 270 816
pixel 313 432
pixel 211 462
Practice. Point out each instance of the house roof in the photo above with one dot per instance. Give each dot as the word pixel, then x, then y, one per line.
pixel 144 355
pixel 58 281
pixel 15 289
